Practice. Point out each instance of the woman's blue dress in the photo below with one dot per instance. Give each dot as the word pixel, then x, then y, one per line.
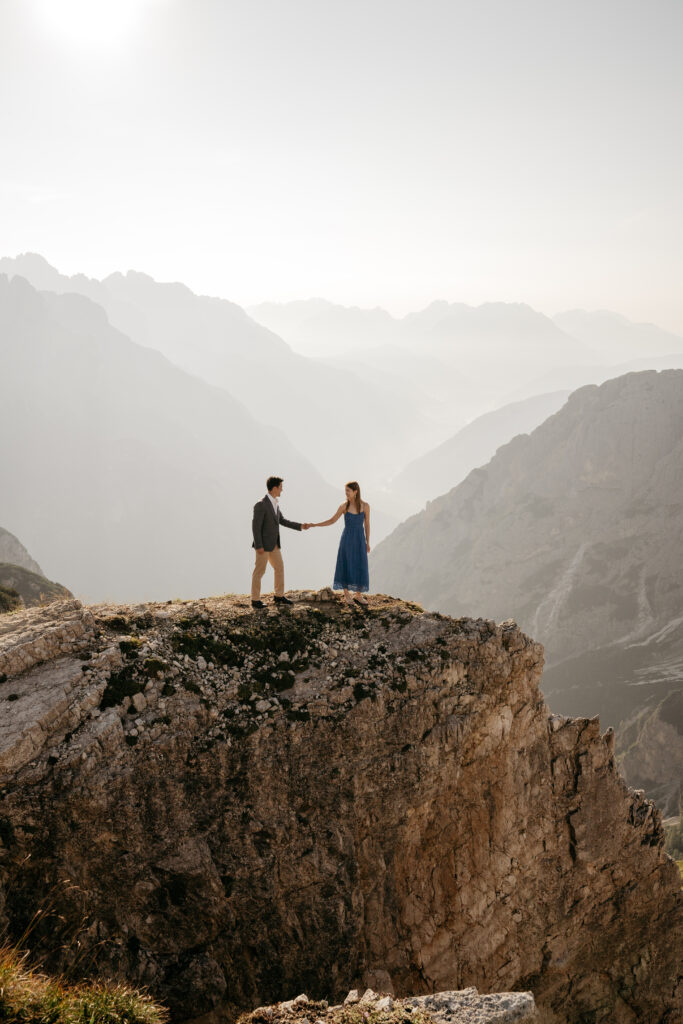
pixel 351 572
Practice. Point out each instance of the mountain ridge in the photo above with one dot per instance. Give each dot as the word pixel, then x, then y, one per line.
pixel 152 452
pixel 574 530
pixel 217 341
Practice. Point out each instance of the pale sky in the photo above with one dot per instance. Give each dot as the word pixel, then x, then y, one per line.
pixel 374 152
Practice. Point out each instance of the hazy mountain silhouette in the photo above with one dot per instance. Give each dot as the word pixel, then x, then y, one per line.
pixel 614 339
pixel 128 477
pixel 494 329
pixel 444 467
pixel 322 328
pixel 479 357
pixel 575 531
pixel 22 581
pixel 14 552
pixel 457 361
pixel 326 411
pixel 574 377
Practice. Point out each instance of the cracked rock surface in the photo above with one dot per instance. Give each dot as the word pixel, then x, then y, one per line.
pixel 463 1007
pixel 231 808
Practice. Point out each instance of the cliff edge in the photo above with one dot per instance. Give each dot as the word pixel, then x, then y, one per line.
pixel 250 806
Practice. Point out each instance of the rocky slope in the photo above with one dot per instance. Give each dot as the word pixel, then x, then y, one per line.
pixel 577 531
pixel 30 587
pixel 13 552
pixel 22 581
pixel 463 1007
pixel 651 746
pixel 247 807
pixel 638 684
pixel 443 468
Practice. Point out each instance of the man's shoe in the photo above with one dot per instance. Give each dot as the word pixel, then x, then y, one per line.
pixel 282 600
pixel 257 604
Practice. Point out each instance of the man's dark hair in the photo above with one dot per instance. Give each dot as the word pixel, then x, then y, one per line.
pixel 273 481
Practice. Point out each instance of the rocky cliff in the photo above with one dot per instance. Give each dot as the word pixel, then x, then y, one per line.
pixel 13 552
pixel 247 807
pixel 575 531
pixel 29 587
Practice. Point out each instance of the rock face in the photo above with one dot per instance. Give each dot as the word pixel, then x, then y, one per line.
pixel 442 468
pixel 461 1007
pixel 14 552
pixel 575 531
pixel 31 587
pixel 247 807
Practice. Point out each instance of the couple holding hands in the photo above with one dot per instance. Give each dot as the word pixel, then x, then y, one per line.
pixel 351 572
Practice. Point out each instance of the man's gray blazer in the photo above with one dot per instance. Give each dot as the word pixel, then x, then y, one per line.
pixel 266 528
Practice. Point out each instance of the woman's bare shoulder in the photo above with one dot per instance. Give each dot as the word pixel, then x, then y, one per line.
pixel 366 506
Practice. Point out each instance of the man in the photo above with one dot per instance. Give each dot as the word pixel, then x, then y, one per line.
pixel 266 529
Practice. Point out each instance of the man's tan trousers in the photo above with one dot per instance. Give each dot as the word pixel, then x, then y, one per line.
pixel 275 559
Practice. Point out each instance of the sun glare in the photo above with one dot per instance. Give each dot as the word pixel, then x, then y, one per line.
pixel 86 24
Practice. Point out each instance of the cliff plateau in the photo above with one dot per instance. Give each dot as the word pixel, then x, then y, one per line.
pixel 231 808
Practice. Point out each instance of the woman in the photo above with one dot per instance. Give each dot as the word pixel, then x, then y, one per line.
pixel 351 572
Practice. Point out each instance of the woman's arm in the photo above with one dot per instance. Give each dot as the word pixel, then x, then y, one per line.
pixel 335 517
pixel 367 525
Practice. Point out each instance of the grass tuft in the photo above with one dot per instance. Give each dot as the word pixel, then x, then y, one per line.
pixel 28 997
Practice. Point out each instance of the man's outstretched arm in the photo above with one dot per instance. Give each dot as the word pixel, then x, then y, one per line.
pixel 290 524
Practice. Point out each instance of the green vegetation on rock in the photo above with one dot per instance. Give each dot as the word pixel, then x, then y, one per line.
pixel 9 599
pixel 293 1012
pixel 27 997
pixel 122 684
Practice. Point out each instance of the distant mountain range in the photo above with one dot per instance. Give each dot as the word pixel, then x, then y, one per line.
pixel 118 435
pixel 127 476
pixel 471 360
pixel 358 392
pixel 327 412
pixel 575 531
pixel 614 339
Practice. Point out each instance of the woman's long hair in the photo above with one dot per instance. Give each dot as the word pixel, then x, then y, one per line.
pixel 354 487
